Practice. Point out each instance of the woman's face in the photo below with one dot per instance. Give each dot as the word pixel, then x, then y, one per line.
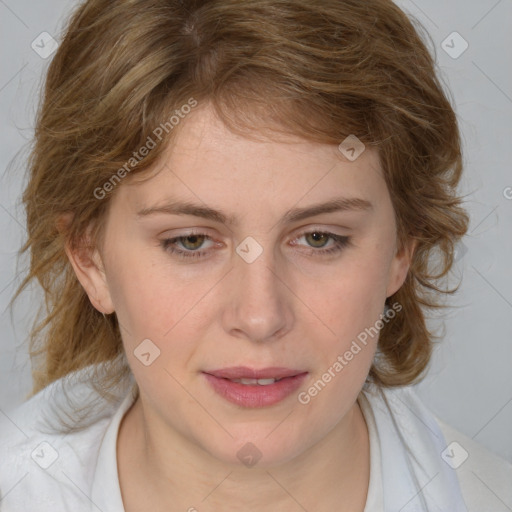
pixel 238 257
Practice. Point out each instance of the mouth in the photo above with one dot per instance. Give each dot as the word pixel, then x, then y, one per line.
pixel 248 387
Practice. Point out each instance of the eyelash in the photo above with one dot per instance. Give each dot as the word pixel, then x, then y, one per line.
pixel 340 242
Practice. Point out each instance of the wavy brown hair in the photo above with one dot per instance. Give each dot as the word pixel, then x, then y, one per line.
pixel 320 69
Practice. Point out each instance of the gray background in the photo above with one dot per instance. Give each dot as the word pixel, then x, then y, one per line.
pixel 470 381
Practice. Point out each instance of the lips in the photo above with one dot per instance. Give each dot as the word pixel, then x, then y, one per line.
pixel 248 387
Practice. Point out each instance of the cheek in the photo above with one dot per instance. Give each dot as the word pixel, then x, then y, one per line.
pixel 352 297
pixel 144 298
pixel 350 307
pixel 153 301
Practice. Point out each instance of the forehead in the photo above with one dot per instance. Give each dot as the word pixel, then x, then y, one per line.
pixel 208 163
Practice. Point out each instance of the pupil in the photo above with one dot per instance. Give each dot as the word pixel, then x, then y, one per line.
pixel 193 239
pixel 317 236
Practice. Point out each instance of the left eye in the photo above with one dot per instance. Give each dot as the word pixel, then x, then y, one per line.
pixel 318 240
pixel 192 242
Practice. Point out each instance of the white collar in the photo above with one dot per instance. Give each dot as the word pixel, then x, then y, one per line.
pixel 415 478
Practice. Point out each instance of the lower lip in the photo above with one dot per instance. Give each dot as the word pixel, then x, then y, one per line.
pixel 255 395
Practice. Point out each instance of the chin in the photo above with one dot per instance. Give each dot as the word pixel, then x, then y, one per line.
pixel 257 451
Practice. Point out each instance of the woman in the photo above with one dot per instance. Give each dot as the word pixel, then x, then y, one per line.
pixel 233 209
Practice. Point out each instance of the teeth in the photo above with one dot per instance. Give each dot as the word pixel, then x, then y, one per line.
pixel 253 382
pixel 265 382
pixel 249 382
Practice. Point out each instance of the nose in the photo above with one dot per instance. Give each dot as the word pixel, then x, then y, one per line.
pixel 260 305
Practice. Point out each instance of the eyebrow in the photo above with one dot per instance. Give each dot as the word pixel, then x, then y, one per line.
pixel 174 207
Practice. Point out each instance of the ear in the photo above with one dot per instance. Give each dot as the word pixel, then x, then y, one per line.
pixel 89 269
pixel 400 266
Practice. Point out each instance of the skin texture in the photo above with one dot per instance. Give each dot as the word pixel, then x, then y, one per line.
pixel 291 307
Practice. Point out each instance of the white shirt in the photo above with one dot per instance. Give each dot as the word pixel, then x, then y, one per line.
pixel 413 464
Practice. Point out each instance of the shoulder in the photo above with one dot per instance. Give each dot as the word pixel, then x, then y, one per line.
pixel 42 461
pixel 484 478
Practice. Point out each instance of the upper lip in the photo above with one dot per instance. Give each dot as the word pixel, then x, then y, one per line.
pixel 244 372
